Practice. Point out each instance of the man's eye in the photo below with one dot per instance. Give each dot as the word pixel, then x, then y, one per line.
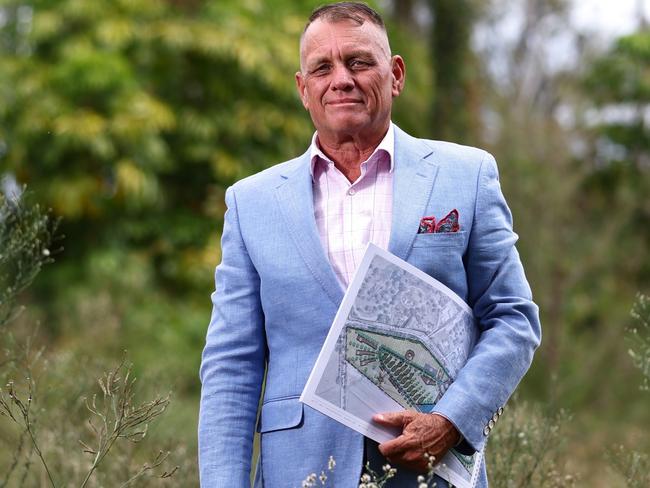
pixel 358 63
pixel 323 68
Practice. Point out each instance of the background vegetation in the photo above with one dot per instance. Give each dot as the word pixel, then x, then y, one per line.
pixel 129 118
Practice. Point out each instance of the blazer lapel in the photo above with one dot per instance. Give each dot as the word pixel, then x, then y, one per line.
pixel 296 200
pixel 415 173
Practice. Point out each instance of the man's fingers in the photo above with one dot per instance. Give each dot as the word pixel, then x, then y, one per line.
pixel 394 419
pixel 393 447
pixel 421 434
pixel 399 445
pixel 402 443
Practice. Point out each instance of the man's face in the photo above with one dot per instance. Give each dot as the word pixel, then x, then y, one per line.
pixel 348 79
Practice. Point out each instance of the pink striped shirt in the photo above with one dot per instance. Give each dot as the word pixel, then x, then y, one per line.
pixel 349 215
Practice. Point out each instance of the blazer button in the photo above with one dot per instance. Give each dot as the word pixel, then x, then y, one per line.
pixel 486 431
pixel 495 417
pixel 491 424
pixel 500 411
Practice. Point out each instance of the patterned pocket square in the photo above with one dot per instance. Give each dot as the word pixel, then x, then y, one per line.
pixel 449 223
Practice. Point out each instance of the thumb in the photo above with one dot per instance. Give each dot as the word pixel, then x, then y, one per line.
pixel 396 419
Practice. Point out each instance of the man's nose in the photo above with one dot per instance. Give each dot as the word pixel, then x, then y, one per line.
pixel 342 78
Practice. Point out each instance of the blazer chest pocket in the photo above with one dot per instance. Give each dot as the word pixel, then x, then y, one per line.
pixel 284 413
pixel 440 239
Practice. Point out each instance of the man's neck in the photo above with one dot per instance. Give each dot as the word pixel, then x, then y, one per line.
pixel 349 152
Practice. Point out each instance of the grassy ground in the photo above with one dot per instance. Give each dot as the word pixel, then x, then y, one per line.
pixel 595 383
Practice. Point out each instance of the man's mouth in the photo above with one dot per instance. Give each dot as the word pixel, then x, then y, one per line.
pixel 344 101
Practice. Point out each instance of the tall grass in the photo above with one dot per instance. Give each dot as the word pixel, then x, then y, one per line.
pixel 56 447
pixel 634 466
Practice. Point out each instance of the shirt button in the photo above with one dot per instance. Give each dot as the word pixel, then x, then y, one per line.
pixel 351 191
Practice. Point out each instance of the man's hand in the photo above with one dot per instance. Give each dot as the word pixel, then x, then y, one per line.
pixel 421 433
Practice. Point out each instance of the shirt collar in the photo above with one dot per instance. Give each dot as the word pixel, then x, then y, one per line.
pixel 387 144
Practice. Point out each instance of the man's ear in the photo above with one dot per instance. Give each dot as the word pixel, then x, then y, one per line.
pixel 300 86
pixel 398 69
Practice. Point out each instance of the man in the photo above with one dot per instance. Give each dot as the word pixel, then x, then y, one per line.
pixel 291 240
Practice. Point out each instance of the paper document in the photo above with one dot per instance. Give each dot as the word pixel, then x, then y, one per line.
pixel 397 342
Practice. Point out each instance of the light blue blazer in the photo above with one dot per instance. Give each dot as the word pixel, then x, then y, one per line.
pixel 276 297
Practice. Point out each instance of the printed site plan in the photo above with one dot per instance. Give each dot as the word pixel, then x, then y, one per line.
pixel 397 342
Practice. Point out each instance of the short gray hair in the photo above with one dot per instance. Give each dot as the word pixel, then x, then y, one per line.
pixel 355 11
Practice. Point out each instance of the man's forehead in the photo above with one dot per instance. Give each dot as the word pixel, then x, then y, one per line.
pixel 345 34
pixel 344 48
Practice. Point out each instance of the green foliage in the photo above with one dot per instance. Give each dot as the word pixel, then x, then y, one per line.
pixel 614 191
pixel 639 339
pixel 622 74
pixel 455 106
pixel 40 441
pixel 147 111
pixel 528 449
pixel 633 466
pixel 115 417
pixel 26 232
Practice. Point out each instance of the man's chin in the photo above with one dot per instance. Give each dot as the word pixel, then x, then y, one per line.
pixel 347 125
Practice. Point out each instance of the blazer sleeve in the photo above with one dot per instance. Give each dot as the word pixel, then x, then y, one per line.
pixel 232 366
pixel 508 320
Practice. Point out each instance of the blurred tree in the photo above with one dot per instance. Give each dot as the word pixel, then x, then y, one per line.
pixel 456 106
pixel 130 117
pixel 540 178
pixel 580 206
pixel 455 84
pixel 617 188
